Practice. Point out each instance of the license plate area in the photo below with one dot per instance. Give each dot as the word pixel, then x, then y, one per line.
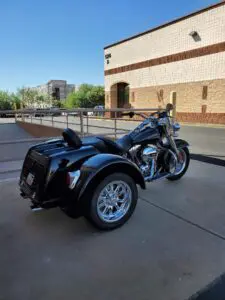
pixel 30 179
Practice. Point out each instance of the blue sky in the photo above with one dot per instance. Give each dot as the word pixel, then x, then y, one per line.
pixel 64 39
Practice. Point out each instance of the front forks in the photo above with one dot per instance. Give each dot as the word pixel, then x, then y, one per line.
pixel 174 147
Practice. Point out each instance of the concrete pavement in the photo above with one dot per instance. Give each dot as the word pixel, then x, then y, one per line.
pixel 173 245
pixel 11 131
pixel 11 154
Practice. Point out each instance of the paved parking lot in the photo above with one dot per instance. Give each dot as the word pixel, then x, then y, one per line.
pixel 173 245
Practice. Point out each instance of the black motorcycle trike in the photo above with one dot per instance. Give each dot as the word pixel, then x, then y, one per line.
pixel 97 177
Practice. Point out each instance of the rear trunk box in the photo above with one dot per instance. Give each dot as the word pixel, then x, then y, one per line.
pixel 43 174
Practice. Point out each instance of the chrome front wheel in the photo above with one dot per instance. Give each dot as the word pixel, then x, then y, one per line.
pixel 182 165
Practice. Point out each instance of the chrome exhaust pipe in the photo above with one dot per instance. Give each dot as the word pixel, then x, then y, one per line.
pixel 36 209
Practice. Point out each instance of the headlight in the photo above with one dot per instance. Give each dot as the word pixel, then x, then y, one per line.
pixel 176 126
pixel 163 121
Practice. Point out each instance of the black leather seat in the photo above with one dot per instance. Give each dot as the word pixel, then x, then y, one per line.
pixel 125 142
pixel 121 145
pixel 95 142
pixel 103 144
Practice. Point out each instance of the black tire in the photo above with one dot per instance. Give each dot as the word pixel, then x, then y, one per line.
pixel 93 215
pixel 177 177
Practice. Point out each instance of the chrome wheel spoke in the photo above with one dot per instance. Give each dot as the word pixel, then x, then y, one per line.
pixel 111 215
pixel 101 205
pixel 105 210
pixel 114 201
pixel 121 200
pixel 181 165
pixel 117 206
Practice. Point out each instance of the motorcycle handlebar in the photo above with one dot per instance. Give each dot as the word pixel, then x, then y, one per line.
pixel 131 114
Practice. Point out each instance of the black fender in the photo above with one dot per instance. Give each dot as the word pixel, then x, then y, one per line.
pixel 98 167
pixel 181 143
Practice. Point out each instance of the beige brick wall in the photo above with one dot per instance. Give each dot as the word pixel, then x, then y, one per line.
pixel 186 77
pixel 207 67
pixel 189 96
pixel 171 39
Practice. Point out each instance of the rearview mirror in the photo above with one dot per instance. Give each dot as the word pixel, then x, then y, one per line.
pixel 131 114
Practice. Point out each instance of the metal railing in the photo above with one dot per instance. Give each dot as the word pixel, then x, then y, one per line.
pixel 84 121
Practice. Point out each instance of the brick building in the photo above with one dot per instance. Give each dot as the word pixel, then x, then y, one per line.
pixel 182 62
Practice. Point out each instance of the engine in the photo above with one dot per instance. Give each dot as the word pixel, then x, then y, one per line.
pixel 153 161
pixel 148 158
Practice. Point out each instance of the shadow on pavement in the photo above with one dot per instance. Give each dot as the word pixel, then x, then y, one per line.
pixel 208 159
pixel 214 291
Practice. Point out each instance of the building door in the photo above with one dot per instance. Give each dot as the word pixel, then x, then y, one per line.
pixel 122 95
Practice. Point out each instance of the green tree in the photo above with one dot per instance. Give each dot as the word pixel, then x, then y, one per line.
pixel 57 103
pixel 96 96
pixel 5 101
pixel 87 96
pixel 27 96
pixel 15 101
pixel 32 98
pixel 43 100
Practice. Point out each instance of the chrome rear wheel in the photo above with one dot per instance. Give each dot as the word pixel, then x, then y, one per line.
pixel 114 201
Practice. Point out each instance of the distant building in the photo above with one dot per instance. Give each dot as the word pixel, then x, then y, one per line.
pixel 182 62
pixel 57 89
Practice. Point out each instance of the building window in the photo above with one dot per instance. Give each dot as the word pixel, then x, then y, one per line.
pixel 161 94
pixel 204 92
pixel 195 35
pixel 56 94
pixel 204 108
pixel 132 97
